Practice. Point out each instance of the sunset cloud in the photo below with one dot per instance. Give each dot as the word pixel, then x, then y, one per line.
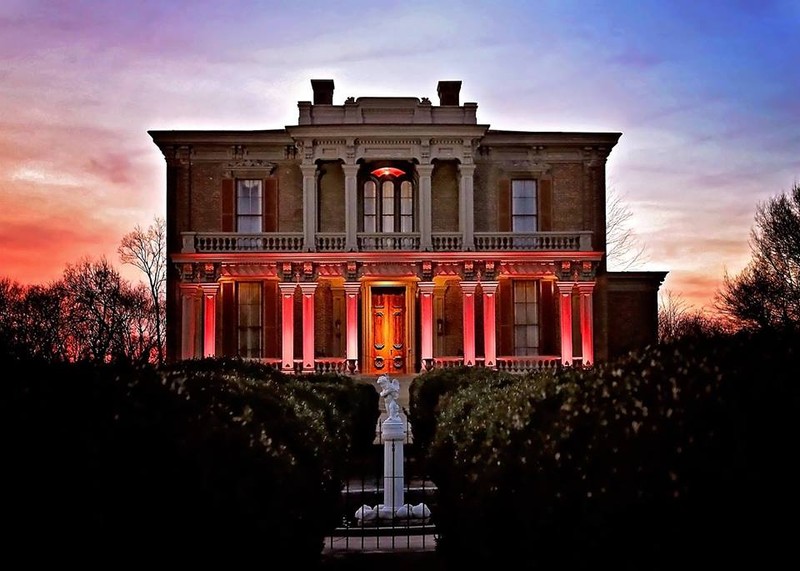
pixel 705 99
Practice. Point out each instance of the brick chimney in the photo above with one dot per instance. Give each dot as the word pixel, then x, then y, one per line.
pixel 448 92
pixel 323 91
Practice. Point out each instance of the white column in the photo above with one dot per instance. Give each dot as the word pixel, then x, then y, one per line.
pixel 426 325
pixel 466 209
pixel 287 326
pixel 424 172
pixel 585 290
pixel 188 324
pixel 351 290
pixel 468 300
pixel 565 313
pixel 351 207
pixel 309 207
pixel 307 290
pixel 209 319
pixel 489 324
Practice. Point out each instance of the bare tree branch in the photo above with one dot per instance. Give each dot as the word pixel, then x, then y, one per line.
pixel 623 248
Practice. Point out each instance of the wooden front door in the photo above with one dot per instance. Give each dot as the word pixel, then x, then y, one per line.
pixel 388 347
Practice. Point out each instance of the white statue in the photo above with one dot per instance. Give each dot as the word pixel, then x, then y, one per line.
pixel 390 390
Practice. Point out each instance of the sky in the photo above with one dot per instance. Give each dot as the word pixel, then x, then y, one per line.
pixel 705 93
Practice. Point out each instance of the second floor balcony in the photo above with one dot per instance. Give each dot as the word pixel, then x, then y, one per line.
pixel 234 242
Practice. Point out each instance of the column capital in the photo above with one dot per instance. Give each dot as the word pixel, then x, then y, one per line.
pixel 350 170
pixel 424 169
pixel 352 288
pixel 585 287
pixel 489 288
pixel 287 287
pixel 466 170
pixel 469 287
pixel 308 169
pixel 426 287
pixel 308 288
pixel 210 289
pixel 565 288
pixel 188 289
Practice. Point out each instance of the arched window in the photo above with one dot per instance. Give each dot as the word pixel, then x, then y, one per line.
pixel 387 201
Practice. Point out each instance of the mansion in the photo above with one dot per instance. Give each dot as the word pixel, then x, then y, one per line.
pixel 393 235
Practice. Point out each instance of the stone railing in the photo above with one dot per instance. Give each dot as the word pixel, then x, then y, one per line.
pixel 448 362
pixel 505 241
pixel 525 364
pixel 330 241
pixel 204 242
pixel 380 241
pixel 330 365
pixel 447 241
pixel 507 364
pixel 235 242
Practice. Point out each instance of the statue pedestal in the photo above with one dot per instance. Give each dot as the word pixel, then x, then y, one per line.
pixel 393 434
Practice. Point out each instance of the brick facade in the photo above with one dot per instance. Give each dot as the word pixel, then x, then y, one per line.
pixel 316 219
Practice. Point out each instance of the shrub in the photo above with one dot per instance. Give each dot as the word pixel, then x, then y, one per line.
pixel 677 454
pixel 191 460
pixel 429 392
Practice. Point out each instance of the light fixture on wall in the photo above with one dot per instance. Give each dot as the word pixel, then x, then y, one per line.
pixel 337 327
pixel 387 171
pixel 439 327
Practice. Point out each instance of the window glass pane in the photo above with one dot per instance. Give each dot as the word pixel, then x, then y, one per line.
pixel 522 205
pixel 519 340
pixel 406 199
pixel 249 224
pixel 369 195
pixel 388 198
pixel 523 224
pixel 369 206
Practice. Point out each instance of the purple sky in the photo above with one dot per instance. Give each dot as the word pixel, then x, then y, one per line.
pixel 706 95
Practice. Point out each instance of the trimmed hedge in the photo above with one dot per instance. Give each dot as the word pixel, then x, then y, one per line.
pixel 680 455
pixel 202 459
pixel 430 391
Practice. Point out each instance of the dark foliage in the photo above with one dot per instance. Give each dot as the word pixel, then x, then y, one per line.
pixel 199 460
pixel 429 392
pixel 680 455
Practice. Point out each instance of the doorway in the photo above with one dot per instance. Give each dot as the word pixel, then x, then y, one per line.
pixel 388 344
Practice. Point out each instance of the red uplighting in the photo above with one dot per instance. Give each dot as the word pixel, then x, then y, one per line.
pixel 387 171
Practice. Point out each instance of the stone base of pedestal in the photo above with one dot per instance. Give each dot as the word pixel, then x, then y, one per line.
pixel 403 515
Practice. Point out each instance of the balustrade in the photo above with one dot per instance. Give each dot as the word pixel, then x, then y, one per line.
pixel 206 242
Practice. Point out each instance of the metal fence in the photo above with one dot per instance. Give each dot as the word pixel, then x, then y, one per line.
pixel 388 503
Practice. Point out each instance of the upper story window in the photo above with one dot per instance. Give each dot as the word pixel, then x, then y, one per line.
pixel 249 208
pixel 524 213
pixel 387 201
